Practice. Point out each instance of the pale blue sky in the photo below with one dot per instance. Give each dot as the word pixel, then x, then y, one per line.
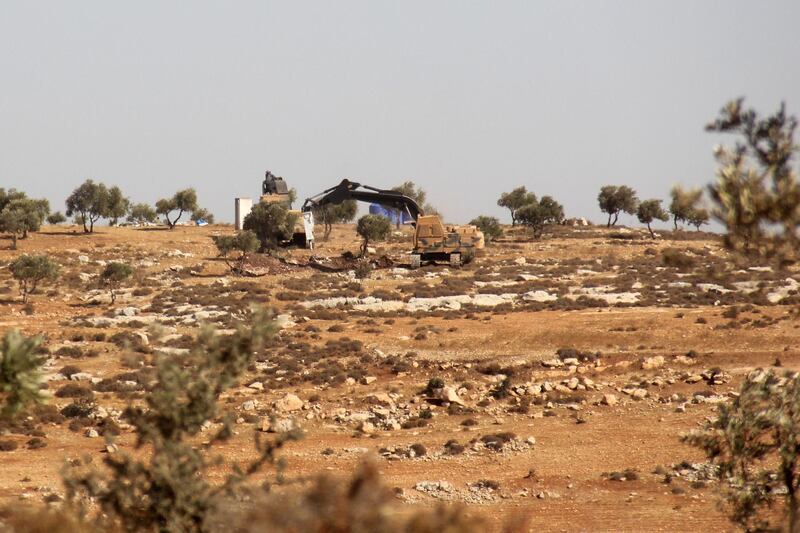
pixel 468 99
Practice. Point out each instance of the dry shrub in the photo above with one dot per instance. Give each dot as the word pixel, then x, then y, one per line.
pixel 362 503
pixel 672 257
pixel 35 519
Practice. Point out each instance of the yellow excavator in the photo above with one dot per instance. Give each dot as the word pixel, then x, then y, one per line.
pixel 433 241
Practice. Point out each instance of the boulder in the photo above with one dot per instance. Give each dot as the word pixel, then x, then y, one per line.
pixel 288 403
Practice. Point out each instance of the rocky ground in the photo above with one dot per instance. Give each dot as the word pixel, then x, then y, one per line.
pixel 548 378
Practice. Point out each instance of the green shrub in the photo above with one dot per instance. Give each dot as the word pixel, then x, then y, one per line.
pixel 30 271
pixel 490 227
pixel 167 489
pixel 244 242
pixel 372 228
pixel 755 443
pixel 20 373
pixel 114 275
pixel 271 222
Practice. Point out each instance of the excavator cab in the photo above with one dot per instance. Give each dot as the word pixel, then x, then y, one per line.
pixel 274 189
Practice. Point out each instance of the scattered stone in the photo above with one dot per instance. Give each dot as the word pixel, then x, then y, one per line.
pixel 609 399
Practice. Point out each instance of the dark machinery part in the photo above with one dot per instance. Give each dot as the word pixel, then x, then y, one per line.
pixel 273 184
pixel 347 190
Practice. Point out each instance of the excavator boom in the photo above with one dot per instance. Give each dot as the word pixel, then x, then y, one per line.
pixel 347 190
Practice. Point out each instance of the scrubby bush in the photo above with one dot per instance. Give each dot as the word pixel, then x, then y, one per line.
pixel 184 201
pixel 20 373
pixel 490 227
pixel 114 275
pixel 271 222
pixel 167 489
pixel 243 242
pixel 757 193
pixel 30 271
pixel 755 443
pixel 672 257
pixel 372 228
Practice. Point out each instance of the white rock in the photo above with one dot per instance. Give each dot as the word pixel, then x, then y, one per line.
pixel 288 403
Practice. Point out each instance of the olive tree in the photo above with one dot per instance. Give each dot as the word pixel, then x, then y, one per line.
pixel 20 373
pixel 757 195
pixel 330 214
pixel 516 200
pixel 21 216
pixel 755 443
pixel 142 214
pixel 202 213
pixel 118 205
pixel 698 217
pixel 372 228
pixel 56 218
pixel 30 271
pixel 616 199
pixel 271 222
pixel 416 193
pixel 539 213
pixel 90 202
pixel 490 227
pixel 114 275
pixel 650 210
pixel 243 242
pixel 184 201
pixel 684 204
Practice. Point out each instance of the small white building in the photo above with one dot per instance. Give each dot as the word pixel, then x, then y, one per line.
pixel 243 208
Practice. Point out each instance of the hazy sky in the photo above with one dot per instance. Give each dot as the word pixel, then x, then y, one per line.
pixel 468 99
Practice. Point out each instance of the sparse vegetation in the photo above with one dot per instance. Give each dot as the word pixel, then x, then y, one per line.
pixel 20 373
pixel 516 200
pixel 372 228
pixel 490 227
pixel 114 275
pixel 243 242
pixel 539 213
pixel 20 215
pixel 30 271
pixel 272 223
pixel 757 193
pixel 142 214
pixel 90 202
pixel 167 491
pixel 754 443
pixel 650 210
pixel 616 199
pixel 184 201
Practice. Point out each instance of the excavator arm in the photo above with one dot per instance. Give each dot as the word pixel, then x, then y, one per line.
pixel 347 190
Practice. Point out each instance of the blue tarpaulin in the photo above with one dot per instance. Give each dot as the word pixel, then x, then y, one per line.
pixel 391 214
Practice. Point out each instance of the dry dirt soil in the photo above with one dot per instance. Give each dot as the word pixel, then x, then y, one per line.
pixel 562 371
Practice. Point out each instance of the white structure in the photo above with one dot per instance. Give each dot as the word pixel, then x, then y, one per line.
pixel 243 208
